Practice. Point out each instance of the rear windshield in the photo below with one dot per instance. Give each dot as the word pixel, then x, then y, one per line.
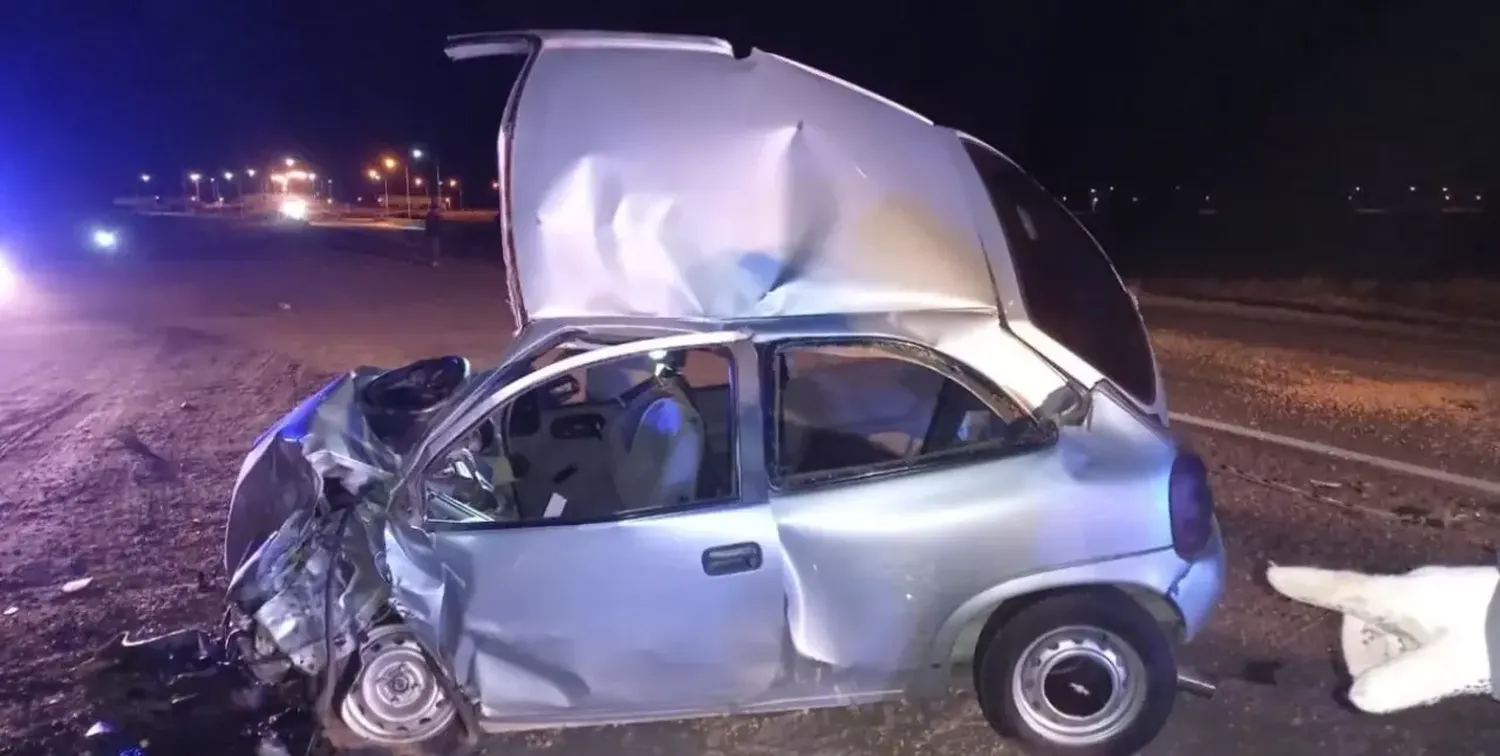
pixel 1070 289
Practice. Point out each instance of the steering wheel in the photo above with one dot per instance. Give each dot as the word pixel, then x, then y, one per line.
pixel 400 402
pixel 417 387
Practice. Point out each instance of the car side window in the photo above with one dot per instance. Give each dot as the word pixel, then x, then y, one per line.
pixel 624 437
pixel 849 408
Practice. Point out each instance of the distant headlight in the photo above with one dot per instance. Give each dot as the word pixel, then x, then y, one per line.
pixel 294 208
pixel 106 239
pixel 10 283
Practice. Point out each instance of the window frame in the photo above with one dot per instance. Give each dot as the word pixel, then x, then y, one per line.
pixel 729 342
pixel 977 155
pixel 986 390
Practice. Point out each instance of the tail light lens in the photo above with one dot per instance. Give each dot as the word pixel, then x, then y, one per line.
pixel 1190 502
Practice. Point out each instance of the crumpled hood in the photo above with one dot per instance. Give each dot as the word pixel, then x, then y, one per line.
pixel 325 437
pixel 305 542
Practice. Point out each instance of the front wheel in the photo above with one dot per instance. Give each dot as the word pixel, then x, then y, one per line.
pixel 396 705
pixel 1080 674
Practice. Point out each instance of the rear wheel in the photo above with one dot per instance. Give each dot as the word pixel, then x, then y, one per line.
pixel 1081 674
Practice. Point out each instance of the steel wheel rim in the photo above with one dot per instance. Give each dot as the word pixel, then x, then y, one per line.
pixel 396 698
pixel 1079 685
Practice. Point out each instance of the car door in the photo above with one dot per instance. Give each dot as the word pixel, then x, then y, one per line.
pixel 882 542
pixel 673 611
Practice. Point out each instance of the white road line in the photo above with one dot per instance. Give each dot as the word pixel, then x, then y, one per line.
pixel 1488 487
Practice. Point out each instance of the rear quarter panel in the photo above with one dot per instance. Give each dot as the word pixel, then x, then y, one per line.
pixel 880 571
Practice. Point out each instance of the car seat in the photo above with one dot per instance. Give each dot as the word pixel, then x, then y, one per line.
pixel 655 449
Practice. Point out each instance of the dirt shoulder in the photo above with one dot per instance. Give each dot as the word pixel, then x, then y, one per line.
pixel 1462 300
pixel 128 399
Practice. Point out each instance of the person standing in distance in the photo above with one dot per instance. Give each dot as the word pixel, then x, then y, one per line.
pixel 433 228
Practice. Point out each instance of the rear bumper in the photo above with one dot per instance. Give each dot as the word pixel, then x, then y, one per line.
pixel 1196 592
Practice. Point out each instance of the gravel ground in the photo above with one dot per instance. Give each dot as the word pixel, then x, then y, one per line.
pixel 132 391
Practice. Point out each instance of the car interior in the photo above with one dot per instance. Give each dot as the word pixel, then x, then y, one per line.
pixel 633 434
pixel 654 431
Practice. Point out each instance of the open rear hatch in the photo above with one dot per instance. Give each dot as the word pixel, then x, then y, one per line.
pixel 664 176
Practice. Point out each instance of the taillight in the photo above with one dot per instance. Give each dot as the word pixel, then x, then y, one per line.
pixel 1190 502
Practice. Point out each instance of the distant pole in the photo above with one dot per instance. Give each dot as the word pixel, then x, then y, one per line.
pixel 406 168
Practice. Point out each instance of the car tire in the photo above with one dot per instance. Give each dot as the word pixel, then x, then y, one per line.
pixel 339 740
pixel 1087 673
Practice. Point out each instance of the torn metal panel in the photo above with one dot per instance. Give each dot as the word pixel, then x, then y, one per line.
pixel 724 188
pixel 320 479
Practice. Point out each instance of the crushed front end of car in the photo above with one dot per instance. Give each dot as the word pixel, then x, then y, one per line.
pixel 311 646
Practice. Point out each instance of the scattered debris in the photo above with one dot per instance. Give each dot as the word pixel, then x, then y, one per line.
pixel 184 693
pixel 160 468
pixel 11 610
pixel 1418 516
pixel 74 586
pixel 1408 515
pixel 131 440
pixel 189 406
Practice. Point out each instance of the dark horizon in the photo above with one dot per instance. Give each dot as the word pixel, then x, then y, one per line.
pixel 1225 97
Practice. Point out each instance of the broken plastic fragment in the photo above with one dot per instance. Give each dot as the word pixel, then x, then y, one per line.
pixel 74 586
pixel 9 610
pixel 99 728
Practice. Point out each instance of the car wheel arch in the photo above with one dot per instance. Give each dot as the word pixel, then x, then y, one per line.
pixel 1160 607
pixel 971 626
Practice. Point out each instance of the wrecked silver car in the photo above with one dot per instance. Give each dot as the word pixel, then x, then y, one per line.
pixel 814 402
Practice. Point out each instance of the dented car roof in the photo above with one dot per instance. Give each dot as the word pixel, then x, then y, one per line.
pixel 662 176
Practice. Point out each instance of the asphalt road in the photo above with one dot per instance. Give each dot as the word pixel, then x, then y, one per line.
pixel 196 339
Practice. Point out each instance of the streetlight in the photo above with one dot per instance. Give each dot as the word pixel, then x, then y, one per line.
pixel 390 165
pixel 417 153
pixel 197 193
pixel 213 181
pixel 377 176
pixel 454 184
pixel 290 162
pixel 145 178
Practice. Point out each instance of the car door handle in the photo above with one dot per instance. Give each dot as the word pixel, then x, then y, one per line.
pixel 736 557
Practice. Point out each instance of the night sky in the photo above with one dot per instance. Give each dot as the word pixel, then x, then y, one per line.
pixel 1229 96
